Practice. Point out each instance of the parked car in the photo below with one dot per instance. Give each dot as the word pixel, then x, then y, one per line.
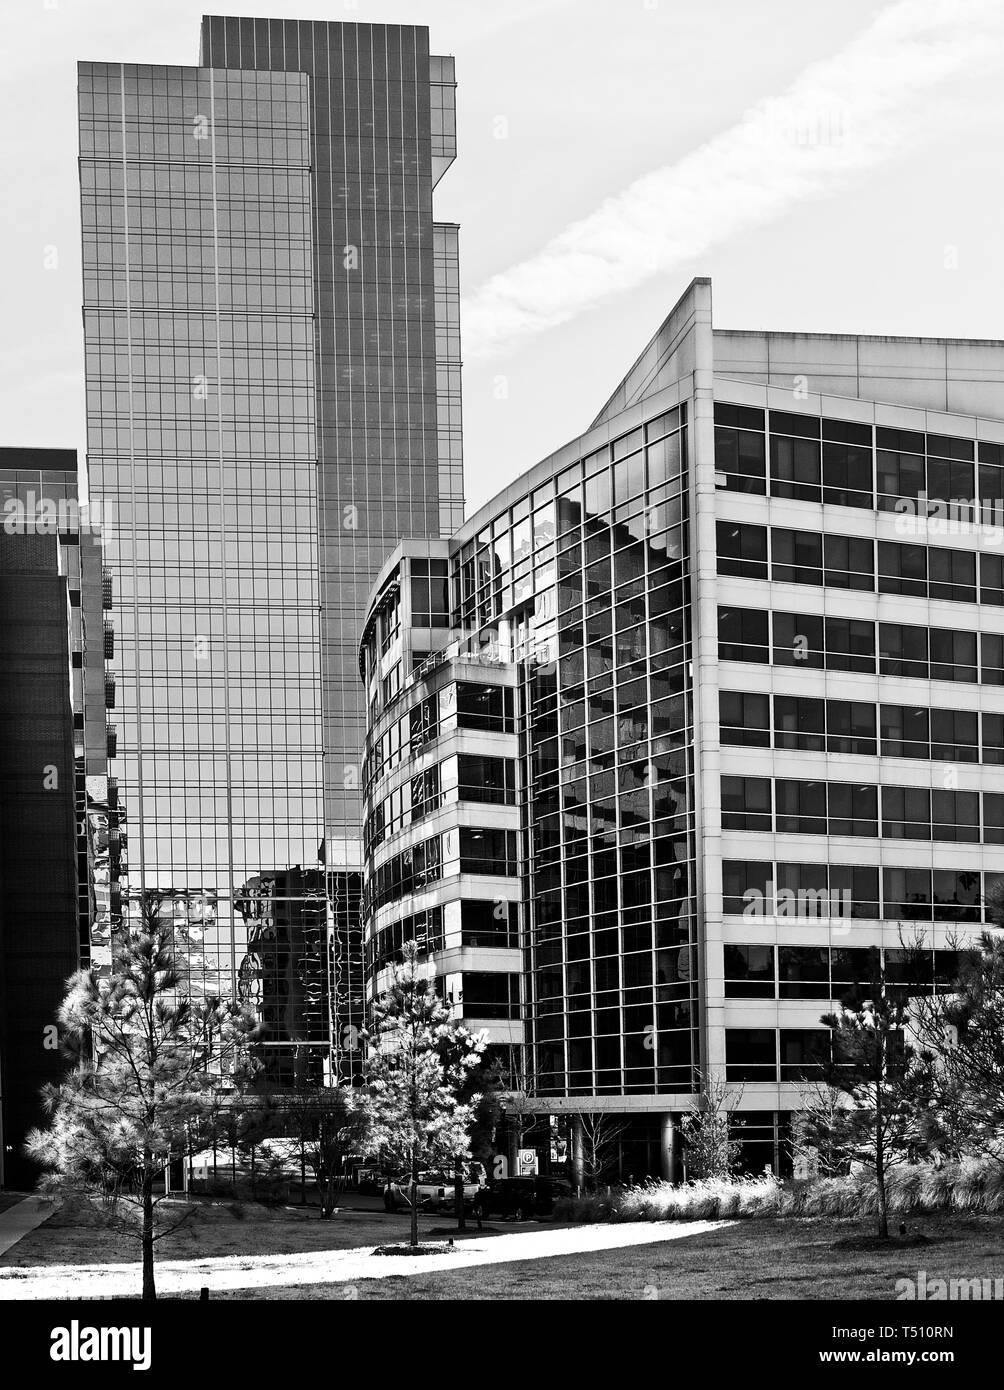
pixel 369 1178
pixel 435 1192
pixel 524 1198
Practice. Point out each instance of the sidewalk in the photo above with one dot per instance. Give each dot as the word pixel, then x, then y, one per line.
pixel 21 1218
pixel 333 1266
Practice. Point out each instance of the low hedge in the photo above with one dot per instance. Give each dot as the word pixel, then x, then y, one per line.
pixel 970 1187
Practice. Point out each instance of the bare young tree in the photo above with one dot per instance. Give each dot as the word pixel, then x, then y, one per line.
pixel 601 1135
pixel 710 1148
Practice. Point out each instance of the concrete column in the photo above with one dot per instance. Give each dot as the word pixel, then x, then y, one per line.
pixel 578 1153
pixel 669 1147
pixel 512 1145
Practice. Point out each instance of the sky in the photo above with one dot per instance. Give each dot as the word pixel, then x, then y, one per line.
pixel 832 168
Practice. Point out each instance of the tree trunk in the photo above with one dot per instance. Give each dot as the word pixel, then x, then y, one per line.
pixel 883 1214
pixel 414 1201
pixel 458 1194
pixel 149 1288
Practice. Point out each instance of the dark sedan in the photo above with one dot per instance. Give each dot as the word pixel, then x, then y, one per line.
pixel 523 1198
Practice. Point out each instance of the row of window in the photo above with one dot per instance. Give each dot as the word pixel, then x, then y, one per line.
pixel 488 995
pixel 772 1054
pixel 852 808
pixel 464 777
pixel 832 461
pixel 481 851
pixel 817 725
pixel 815 642
pixel 463 705
pixel 483 922
pixel 849 562
pixel 386 946
pixel 755 888
pixel 758 971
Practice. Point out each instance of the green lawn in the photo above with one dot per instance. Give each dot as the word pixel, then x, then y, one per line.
pixel 74 1236
pixel 792 1259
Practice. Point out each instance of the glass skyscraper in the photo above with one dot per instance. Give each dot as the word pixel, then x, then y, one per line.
pixel 273 399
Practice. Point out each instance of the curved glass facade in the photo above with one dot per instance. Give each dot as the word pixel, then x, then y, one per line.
pixel 579 589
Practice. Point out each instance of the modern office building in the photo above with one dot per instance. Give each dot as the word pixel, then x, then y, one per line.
pixel 53 764
pixel 273 377
pixel 696 713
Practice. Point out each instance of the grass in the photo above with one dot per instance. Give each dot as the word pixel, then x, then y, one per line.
pixel 801 1259
pixel 74 1236
pixel 770 1258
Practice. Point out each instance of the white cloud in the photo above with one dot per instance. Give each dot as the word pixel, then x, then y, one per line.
pixel 842 116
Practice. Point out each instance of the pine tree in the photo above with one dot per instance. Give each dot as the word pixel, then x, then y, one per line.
pixel 419 1059
pixel 871 1064
pixel 153 1070
pixel 963 1029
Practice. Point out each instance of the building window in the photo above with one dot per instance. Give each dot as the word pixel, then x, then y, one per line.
pixel 799 722
pixel 742 550
pixel 850 644
pixel 746 803
pixel 903 651
pixel 992 580
pixel 902 569
pixel 486 779
pixel 803 1051
pixel 801 807
pixel 847 464
pixel 955 736
pixel 906 813
pixel 850 727
pixel 953 655
pixel 750 1054
pixel 993 738
pixel 739 447
pixel 490 995
pixel 952 573
pixel 804 972
pixel 744 718
pixel 795 469
pixel 798 640
pixel 485 707
pixel 743 634
pixel 905 732
pixel 484 851
pixel 796 556
pixel 430 603
pixel 749 972
pixel 488 922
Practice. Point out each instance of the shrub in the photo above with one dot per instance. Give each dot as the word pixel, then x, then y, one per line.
pixel 970 1186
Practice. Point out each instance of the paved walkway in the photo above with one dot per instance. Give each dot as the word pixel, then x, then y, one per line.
pixel 24 1216
pixel 334 1266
